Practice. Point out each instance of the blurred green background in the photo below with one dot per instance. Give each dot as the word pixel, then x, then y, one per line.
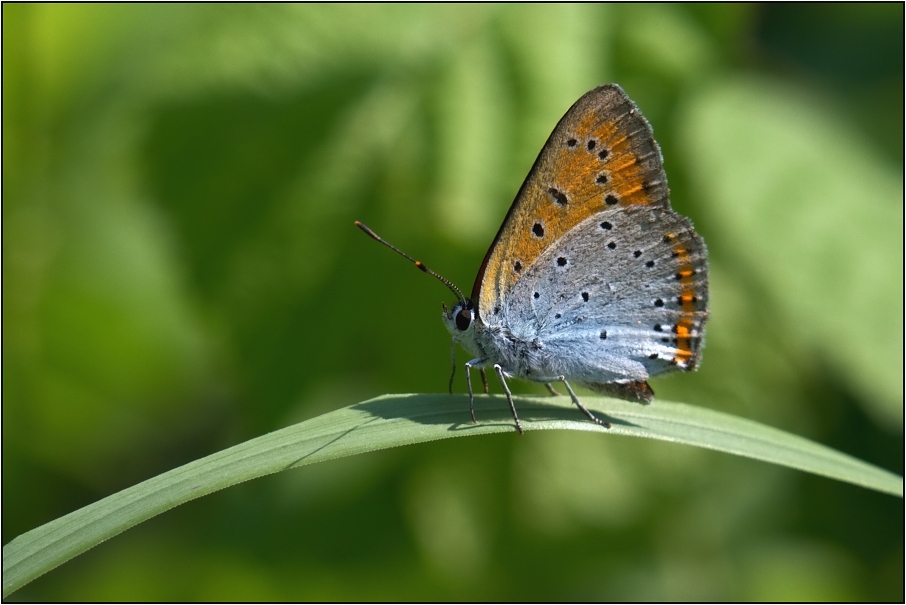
pixel 181 273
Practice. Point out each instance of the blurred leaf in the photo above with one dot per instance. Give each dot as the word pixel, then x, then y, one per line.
pixel 806 207
pixel 475 126
pixel 395 420
pixel 661 38
pixel 798 572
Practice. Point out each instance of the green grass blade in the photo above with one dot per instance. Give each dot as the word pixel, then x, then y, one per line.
pixel 395 420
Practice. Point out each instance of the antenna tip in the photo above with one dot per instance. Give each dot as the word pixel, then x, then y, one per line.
pixel 367 230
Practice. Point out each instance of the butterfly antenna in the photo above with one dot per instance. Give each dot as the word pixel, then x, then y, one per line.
pixel 418 263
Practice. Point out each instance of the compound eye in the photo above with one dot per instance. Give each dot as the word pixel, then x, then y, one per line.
pixel 463 319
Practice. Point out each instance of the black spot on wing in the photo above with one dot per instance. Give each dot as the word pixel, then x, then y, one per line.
pixel 559 197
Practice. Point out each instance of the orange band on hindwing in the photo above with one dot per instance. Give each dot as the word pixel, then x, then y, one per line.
pixel 688 328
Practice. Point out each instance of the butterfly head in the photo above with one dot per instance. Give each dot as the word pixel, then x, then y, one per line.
pixel 459 319
pixel 462 323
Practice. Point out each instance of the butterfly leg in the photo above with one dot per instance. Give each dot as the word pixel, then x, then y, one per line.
pixel 469 364
pixel 585 411
pixel 484 380
pixel 453 359
pixel 509 397
pixel 551 389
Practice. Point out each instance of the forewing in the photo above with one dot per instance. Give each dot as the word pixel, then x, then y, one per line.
pixel 601 156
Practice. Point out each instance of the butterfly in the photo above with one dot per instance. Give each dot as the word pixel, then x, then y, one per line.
pixel 592 277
